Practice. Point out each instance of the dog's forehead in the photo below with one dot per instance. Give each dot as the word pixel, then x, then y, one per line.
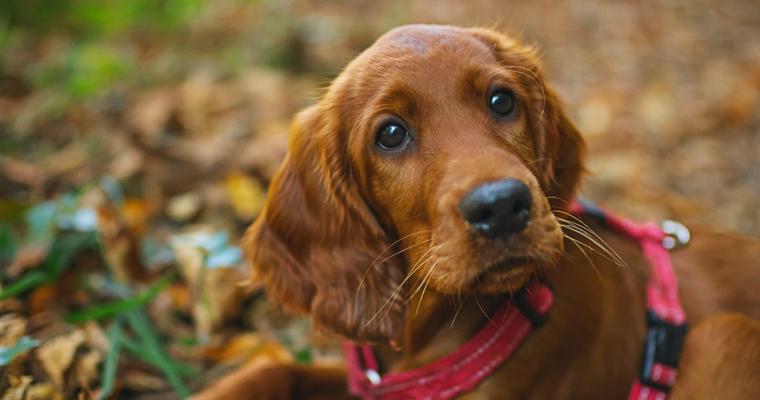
pixel 416 42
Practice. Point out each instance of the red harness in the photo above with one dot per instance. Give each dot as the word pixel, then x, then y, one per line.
pixel 462 370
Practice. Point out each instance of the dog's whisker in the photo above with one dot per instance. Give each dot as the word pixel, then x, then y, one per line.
pixel 485 314
pixel 390 246
pixel 579 224
pixel 366 272
pixel 456 313
pixel 585 254
pixel 585 231
pixel 585 226
pixel 427 282
pixel 593 245
pixel 604 255
pixel 391 299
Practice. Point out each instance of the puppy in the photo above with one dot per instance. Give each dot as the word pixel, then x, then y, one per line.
pixel 430 183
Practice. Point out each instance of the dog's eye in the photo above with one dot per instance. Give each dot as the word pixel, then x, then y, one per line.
pixel 392 136
pixel 502 102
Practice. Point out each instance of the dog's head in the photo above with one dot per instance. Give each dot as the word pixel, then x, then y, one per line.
pixel 435 158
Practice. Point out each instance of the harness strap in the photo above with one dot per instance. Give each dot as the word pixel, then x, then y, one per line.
pixel 666 319
pixel 459 371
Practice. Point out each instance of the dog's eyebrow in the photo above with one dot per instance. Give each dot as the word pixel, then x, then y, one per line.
pixel 477 79
pixel 398 99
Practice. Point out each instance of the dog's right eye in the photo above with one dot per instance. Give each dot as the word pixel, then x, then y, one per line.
pixel 392 136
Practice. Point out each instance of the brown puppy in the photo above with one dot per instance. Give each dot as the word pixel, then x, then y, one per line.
pixel 375 226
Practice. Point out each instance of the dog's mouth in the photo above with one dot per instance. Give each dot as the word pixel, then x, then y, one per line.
pixel 509 264
pixel 508 274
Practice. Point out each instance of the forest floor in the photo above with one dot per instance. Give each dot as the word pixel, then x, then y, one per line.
pixel 137 139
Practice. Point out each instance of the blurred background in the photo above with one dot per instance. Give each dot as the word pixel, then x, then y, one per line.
pixel 137 138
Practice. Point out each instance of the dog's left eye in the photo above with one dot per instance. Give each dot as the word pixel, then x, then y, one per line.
pixel 502 102
pixel 392 136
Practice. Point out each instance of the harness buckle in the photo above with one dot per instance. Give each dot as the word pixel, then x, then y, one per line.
pixel 677 235
pixel 662 349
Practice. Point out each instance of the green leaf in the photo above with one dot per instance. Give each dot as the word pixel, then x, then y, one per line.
pixel 120 307
pixel 7 354
pixel 154 350
pixel 108 376
pixel 303 356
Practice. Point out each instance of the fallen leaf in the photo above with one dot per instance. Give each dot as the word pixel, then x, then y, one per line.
pixel 28 256
pixel 135 214
pixel 184 207
pixel 19 385
pixel 215 290
pixel 12 328
pixel 143 381
pixel 95 337
pixel 42 298
pixel 246 195
pixel 57 354
pixel 44 391
pixel 87 368
pixel 240 347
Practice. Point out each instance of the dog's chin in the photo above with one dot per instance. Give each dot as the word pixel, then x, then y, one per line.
pixel 506 276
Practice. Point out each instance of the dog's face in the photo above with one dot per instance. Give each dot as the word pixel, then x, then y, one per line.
pixel 433 160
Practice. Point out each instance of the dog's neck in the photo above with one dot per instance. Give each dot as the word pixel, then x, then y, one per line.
pixel 595 328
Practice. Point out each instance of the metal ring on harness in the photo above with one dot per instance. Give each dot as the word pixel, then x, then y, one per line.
pixel 677 235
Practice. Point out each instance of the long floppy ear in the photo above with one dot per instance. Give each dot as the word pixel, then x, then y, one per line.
pixel 317 245
pixel 564 152
pixel 559 146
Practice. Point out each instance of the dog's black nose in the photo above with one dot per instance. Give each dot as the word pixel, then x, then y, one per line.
pixel 498 209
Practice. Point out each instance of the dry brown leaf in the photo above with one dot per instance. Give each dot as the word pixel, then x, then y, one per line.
pixel 121 240
pixel 220 299
pixel 246 195
pixel 126 164
pixel 28 256
pixel 22 171
pixel 19 385
pixel 216 292
pixel 86 368
pixel 184 207
pixel 238 348
pixel 142 381
pixel 44 391
pixel 95 337
pixel 42 298
pixel 57 354
pixel 135 213
pixel 12 328
pixel 152 111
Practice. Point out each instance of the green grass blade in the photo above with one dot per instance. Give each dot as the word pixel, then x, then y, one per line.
pixel 120 307
pixel 26 282
pixel 139 352
pixel 152 347
pixel 59 257
pixel 108 376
